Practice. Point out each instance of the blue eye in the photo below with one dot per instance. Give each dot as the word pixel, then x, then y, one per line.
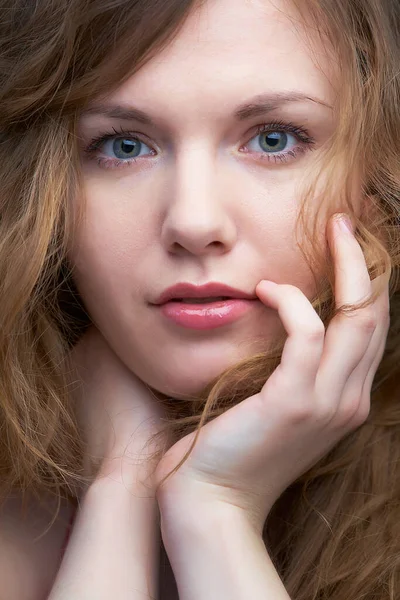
pixel 123 148
pixel 276 142
pixel 127 147
pixel 272 141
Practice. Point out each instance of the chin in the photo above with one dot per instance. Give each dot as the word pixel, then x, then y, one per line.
pixel 185 382
pixel 187 369
pixel 183 387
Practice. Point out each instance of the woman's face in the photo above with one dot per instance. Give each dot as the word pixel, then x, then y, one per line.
pixel 209 197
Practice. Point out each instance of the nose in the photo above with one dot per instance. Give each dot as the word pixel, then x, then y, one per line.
pixel 199 218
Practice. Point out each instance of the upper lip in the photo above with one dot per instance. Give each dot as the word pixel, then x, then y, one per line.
pixel 208 290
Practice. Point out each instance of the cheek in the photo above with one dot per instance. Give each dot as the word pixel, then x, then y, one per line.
pixel 115 232
pixel 269 219
pixel 104 263
pixel 272 197
pixel 273 211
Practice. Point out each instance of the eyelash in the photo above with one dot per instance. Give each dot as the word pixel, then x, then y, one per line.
pixel 279 126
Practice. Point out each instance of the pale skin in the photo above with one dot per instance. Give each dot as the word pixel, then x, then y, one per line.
pixel 204 200
pixel 200 512
pixel 219 211
pixel 319 393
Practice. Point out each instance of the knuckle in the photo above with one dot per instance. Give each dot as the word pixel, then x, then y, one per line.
pixel 347 413
pixel 353 410
pixel 301 412
pixel 360 417
pixel 362 414
pixel 312 331
pixel 315 332
pixel 368 321
pixel 326 413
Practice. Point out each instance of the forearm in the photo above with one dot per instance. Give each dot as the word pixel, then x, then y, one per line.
pixel 216 554
pixel 113 551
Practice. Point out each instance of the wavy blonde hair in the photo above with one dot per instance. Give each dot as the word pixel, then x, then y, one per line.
pixel 337 545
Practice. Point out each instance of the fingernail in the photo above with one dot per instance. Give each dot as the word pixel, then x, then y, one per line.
pixel 345 223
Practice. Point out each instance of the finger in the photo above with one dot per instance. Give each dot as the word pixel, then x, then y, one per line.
pixel 356 398
pixel 303 348
pixel 365 405
pixel 348 336
pixel 382 309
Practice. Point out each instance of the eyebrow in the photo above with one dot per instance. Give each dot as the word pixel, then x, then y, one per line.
pixel 258 105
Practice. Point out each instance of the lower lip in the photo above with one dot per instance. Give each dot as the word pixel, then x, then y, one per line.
pixel 206 316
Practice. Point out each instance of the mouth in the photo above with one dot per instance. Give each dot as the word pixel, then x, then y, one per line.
pixel 205 313
pixel 188 293
pixel 201 300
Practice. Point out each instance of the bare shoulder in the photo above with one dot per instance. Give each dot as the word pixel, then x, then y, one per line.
pixel 30 552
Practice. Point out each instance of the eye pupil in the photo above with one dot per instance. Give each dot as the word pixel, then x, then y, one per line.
pixel 130 147
pixel 273 140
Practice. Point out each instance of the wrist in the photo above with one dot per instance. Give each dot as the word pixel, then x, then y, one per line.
pixel 115 480
pixel 134 474
pixel 187 508
pixel 185 524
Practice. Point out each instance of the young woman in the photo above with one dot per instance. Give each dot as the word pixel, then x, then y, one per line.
pixel 199 360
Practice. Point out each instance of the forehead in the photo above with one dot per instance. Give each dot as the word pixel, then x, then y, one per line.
pixel 228 49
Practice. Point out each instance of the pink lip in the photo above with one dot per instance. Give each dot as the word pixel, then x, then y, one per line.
pixel 209 290
pixel 206 316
